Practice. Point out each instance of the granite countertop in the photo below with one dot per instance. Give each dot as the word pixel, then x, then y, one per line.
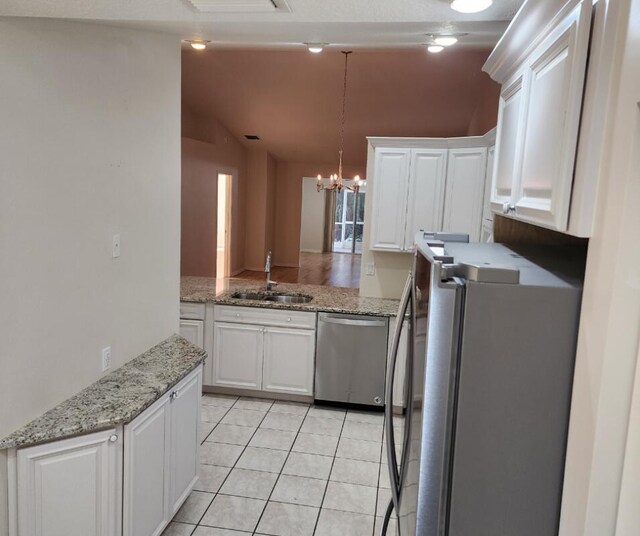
pixel 116 398
pixel 329 299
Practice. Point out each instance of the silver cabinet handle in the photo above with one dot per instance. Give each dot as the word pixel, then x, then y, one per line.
pixel 353 322
pixel 113 438
pixel 173 395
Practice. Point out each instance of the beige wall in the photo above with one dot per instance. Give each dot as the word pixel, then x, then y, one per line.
pixel 289 205
pixel 260 202
pixel 485 115
pixel 208 148
pixel 90 147
pixel 312 217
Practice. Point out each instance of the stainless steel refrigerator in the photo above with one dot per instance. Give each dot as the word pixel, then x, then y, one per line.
pixel 489 376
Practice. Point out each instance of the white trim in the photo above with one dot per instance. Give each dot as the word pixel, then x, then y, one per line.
pixel 531 25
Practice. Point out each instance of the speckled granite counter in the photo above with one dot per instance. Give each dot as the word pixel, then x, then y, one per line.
pixel 116 398
pixel 330 299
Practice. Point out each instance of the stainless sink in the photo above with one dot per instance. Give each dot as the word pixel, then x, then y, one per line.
pixel 276 298
pixel 284 298
pixel 249 295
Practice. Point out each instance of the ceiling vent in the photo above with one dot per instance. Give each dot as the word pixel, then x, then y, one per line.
pixel 240 6
pixel 252 136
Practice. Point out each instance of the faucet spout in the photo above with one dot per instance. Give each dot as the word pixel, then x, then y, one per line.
pixel 267 269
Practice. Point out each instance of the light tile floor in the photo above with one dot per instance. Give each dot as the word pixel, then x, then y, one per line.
pixel 278 468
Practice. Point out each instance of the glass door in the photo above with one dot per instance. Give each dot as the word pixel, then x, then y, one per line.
pixel 348 222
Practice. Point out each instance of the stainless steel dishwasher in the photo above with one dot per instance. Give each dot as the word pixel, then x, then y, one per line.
pixel 351 358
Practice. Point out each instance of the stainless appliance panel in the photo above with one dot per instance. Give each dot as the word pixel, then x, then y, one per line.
pixel 437 310
pixel 516 371
pixel 351 358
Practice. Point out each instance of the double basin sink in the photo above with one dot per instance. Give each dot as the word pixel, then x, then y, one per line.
pixel 272 297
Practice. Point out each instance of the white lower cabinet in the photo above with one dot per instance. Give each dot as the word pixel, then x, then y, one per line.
pixel 71 487
pixel 237 355
pixel 161 458
pixel 270 356
pixel 193 331
pixel 288 360
pixel 127 480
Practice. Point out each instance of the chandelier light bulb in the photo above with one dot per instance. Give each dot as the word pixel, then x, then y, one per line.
pixel 470 6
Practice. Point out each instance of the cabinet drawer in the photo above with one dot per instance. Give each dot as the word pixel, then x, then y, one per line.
pixel 265 317
pixel 192 311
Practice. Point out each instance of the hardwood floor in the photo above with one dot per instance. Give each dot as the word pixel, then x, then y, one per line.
pixel 330 269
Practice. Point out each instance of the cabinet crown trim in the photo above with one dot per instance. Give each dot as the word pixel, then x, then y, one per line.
pixel 534 21
pixel 461 142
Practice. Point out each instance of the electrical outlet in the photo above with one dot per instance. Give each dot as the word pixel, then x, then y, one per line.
pixel 106 358
pixel 115 247
pixel 371 268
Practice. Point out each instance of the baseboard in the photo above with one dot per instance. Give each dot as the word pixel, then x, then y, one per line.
pixel 214 389
pixel 311 251
pixel 236 272
pixel 286 265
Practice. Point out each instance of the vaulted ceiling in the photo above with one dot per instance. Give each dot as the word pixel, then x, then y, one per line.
pixel 292 99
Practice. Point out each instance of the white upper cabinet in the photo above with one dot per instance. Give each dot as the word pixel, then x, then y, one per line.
pixel 390 199
pixel 426 192
pixel 465 192
pixel 430 184
pixel 487 215
pixel 539 112
pixel 509 143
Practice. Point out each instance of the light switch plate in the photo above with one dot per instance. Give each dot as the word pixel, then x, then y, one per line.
pixel 106 358
pixel 371 268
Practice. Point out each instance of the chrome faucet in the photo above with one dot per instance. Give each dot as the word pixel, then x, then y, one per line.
pixel 267 270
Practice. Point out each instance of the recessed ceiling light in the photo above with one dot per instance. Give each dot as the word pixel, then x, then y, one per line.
pixel 434 49
pixel 198 44
pixel 316 48
pixel 470 6
pixel 445 40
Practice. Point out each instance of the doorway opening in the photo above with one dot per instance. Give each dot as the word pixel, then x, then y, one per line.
pixel 348 221
pixel 223 252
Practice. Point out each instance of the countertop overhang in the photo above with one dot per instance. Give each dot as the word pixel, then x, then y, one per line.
pixel 325 299
pixel 117 398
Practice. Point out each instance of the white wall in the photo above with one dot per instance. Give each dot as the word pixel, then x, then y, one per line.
pixel 89 147
pixel 312 218
pixel 601 473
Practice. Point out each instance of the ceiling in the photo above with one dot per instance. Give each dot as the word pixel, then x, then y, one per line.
pixel 292 99
pixel 357 23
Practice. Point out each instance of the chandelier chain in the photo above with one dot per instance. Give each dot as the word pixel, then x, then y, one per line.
pixel 344 110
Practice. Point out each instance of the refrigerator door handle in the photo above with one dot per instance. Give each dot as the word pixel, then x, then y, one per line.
pixel 392 461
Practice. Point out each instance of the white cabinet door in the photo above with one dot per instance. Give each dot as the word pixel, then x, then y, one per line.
pixel 512 110
pixel 185 444
pixel 556 79
pixel 146 470
pixel 237 355
pixel 71 487
pixel 486 206
pixel 389 208
pixel 464 191
pixel 289 360
pixel 426 192
pixel 193 331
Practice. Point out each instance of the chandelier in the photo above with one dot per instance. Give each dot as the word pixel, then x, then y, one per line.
pixel 336 181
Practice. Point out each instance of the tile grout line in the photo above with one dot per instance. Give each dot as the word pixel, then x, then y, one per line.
pixel 315 528
pixel 234 463
pixel 282 469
